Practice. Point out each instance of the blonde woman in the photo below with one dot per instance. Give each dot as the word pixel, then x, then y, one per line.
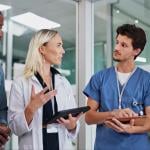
pixel 33 99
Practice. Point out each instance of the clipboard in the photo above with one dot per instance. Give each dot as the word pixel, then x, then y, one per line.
pixel 64 113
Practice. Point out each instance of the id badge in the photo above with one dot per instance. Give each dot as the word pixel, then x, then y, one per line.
pixel 51 128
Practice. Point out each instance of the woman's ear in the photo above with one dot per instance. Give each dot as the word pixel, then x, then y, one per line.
pixel 41 49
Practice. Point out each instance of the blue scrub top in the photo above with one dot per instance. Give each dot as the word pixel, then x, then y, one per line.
pixel 102 87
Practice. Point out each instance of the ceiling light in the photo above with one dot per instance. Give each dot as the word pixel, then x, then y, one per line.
pixel 4 7
pixel 34 21
pixel 117 11
pixel 141 59
pixel 136 21
pixel 65 72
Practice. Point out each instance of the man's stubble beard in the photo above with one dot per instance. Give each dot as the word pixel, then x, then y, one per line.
pixel 115 59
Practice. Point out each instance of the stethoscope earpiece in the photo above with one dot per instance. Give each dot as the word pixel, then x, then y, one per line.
pixel 134 103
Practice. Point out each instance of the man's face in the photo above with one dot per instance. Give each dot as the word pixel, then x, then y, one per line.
pixel 1 25
pixel 124 50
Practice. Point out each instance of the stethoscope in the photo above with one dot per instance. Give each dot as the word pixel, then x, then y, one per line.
pixel 138 107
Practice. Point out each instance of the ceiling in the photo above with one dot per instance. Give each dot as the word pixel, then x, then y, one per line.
pixel 64 12
pixel 61 11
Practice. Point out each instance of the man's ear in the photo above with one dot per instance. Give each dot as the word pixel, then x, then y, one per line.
pixel 137 51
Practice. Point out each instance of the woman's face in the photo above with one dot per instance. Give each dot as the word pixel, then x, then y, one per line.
pixel 53 51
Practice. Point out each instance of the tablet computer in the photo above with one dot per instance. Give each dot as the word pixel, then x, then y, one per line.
pixel 64 113
pixel 138 120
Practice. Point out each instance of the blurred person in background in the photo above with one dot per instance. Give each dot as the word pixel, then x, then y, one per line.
pixel 4 130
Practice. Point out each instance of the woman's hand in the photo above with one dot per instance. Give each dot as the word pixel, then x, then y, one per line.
pixel 69 123
pixel 37 100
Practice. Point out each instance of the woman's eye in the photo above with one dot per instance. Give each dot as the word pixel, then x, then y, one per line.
pixel 59 45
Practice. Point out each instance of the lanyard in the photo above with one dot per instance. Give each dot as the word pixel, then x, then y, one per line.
pixel 120 93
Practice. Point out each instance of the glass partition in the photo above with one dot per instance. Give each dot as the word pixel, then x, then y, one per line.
pixel 100 32
pixel 22 20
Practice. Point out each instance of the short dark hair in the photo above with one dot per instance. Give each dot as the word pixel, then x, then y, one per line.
pixel 135 33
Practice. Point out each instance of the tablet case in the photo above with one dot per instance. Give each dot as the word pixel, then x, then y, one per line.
pixel 138 121
pixel 64 113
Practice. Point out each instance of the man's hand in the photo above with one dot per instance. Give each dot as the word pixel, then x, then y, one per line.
pixel 121 113
pixel 116 125
pixel 120 127
pixel 4 134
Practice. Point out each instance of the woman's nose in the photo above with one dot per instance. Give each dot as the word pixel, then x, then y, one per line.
pixel 63 51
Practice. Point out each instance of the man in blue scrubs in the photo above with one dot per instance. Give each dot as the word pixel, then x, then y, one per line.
pixel 121 91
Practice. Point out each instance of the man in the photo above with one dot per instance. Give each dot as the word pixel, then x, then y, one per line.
pixel 118 92
pixel 4 130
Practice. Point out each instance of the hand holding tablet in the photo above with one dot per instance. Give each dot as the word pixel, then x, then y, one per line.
pixel 138 120
pixel 64 113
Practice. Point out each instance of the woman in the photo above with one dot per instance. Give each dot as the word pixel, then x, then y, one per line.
pixel 33 100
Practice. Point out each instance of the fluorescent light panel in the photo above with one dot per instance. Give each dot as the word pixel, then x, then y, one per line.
pixel 18 30
pixel 141 59
pixel 65 72
pixel 34 21
pixel 4 7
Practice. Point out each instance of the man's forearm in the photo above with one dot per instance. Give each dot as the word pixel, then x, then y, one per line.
pixel 93 117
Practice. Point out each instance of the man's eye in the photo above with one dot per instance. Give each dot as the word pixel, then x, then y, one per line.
pixel 124 45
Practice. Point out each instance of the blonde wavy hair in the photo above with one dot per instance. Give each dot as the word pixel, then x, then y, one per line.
pixel 34 60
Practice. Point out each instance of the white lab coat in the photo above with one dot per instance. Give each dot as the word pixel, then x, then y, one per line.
pixel 30 137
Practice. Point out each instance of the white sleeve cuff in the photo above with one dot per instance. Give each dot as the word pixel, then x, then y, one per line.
pixel 73 134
